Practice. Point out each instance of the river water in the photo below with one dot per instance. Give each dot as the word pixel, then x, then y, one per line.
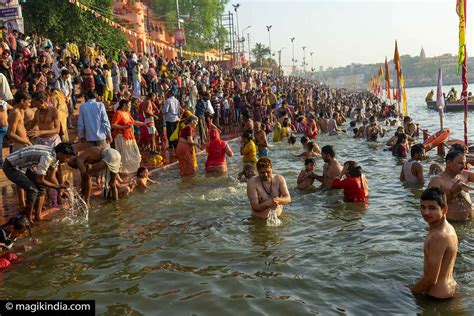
pixel 190 247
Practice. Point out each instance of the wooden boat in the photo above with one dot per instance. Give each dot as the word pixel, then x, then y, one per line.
pixel 436 139
pixel 451 106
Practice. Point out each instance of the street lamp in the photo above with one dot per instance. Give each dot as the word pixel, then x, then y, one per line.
pixel 304 61
pixel 181 19
pixel 269 27
pixel 236 7
pixel 292 39
pixel 243 37
pixel 279 60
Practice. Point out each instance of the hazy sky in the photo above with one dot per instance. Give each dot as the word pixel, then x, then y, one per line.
pixel 340 32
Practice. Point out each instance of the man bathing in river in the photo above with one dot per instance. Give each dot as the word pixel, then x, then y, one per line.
pixel 453 181
pixel 267 191
pixel 91 162
pixel 440 248
pixel 332 168
pixel 412 170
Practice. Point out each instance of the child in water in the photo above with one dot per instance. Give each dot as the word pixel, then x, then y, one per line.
pixel 307 176
pixel 311 150
pixel 9 232
pixel 143 178
pixel 247 173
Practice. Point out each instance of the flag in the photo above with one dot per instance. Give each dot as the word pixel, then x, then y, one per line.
pixel 439 93
pixel 401 93
pixel 461 11
pixel 387 79
pixel 379 80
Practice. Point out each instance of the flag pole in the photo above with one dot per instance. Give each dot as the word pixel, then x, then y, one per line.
pixel 464 80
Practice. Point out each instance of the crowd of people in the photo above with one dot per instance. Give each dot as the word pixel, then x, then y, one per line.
pixel 72 107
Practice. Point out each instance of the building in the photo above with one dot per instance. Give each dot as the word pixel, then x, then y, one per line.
pixel 422 53
pixel 138 16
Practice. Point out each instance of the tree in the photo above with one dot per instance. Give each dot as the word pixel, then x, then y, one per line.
pixel 60 20
pixel 261 54
pixel 203 28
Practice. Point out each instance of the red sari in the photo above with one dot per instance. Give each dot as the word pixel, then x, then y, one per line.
pixel 216 153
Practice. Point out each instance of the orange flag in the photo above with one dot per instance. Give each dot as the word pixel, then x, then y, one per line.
pixel 387 79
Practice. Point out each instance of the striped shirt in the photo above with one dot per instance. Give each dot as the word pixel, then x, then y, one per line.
pixel 44 157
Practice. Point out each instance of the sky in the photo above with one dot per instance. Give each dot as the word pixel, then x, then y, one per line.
pixel 341 32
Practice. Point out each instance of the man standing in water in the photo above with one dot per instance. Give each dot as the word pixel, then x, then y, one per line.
pixel 412 170
pixel 453 181
pixel 267 191
pixel 332 168
pixel 440 248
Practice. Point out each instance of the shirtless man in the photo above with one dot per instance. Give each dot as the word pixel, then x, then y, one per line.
pixel 261 141
pixel 306 176
pixel 440 248
pixel 453 181
pixel 412 170
pixel 16 122
pixel 410 127
pixel 246 125
pixel 323 123
pixel 47 120
pixel 332 168
pixel 267 191
pixel 91 162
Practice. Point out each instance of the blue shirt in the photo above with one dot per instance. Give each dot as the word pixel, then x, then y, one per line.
pixel 93 123
pixel 171 109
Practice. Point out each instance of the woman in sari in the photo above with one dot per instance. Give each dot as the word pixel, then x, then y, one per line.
pixel 217 150
pixel 186 150
pixel 354 183
pixel 124 138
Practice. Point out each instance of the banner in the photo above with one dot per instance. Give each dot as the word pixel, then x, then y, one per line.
pixel 179 37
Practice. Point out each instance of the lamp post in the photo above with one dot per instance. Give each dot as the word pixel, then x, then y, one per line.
pixel 292 39
pixel 304 61
pixel 243 37
pixel 248 44
pixel 279 60
pixel 269 27
pixel 236 7
pixel 179 27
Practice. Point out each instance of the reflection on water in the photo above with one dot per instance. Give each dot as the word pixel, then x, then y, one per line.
pixel 190 246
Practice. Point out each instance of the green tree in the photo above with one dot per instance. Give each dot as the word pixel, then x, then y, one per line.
pixel 203 28
pixel 261 53
pixel 60 20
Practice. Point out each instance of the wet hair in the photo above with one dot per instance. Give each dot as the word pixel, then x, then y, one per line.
pixel 307 161
pixel 352 124
pixel 401 137
pixel 329 150
pixel 140 171
pixel 20 223
pixel 292 140
pixel 355 130
pixel 458 147
pixel 65 149
pixel 304 140
pixel 247 135
pixel 434 194
pixel 264 162
pixel 450 156
pixel 20 96
pixel 286 123
pixel 353 168
pixel 416 149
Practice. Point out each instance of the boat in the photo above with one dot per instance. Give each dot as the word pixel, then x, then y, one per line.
pixel 436 139
pixel 451 106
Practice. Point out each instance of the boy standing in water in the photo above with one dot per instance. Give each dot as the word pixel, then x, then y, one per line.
pixel 440 247
pixel 306 176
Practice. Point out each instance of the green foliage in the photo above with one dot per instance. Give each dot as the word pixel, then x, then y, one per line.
pixel 203 28
pixel 60 20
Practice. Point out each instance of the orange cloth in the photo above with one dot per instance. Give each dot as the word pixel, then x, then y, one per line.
pixel 123 118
